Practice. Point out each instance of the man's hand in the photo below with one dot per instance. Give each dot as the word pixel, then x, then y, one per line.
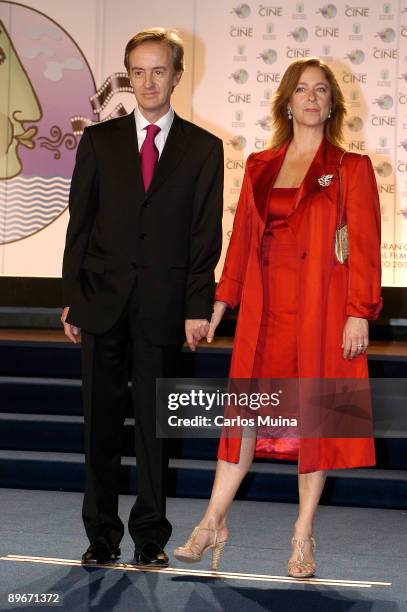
pixel 218 312
pixel 355 337
pixel 71 331
pixel 195 330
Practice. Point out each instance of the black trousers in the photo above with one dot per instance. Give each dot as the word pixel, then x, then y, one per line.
pixel 106 360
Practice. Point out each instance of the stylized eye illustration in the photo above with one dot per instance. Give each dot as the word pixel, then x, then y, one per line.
pixel 2 56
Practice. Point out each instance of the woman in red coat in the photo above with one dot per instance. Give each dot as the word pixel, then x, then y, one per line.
pixel 303 314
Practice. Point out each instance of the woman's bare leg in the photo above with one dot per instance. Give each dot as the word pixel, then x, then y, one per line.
pixel 310 487
pixel 228 477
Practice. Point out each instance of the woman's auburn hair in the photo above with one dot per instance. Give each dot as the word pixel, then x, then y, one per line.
pixel 283 126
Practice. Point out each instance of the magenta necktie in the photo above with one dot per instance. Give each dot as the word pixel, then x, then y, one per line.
pixel 149 154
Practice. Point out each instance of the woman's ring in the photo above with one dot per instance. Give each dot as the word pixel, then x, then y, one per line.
pixel 360 345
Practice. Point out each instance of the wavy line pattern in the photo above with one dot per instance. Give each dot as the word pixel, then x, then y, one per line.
pixel 38 180
pixel 28 204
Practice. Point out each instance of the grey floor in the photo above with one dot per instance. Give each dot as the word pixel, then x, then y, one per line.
pixel 359 544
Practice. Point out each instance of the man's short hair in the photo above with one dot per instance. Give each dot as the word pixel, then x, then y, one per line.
pixel 161 35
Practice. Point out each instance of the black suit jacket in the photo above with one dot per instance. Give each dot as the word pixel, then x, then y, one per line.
pixel 168 238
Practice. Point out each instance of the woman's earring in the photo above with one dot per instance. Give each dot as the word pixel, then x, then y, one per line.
pixel 329 114
pixel 289 113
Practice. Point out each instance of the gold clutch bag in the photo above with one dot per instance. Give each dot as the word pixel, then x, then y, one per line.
pixel 341 234
pixel 341 244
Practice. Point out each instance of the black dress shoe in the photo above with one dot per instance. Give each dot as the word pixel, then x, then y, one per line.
pixel 100 553
pixel 150 555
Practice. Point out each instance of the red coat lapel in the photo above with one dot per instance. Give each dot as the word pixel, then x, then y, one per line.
pixel 326 162
pixel 264 168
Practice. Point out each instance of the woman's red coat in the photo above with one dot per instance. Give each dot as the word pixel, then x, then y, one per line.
pixel 329 291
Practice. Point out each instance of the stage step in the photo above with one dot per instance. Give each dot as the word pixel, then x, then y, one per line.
pixel 193 479
pixel 64 433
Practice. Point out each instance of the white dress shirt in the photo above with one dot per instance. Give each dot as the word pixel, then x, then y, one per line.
pixel 164 123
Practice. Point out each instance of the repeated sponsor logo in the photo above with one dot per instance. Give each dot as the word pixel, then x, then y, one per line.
pixel 238 121
pixel 387 35
pixel 328 11
pixel 326 53
pixel 241 32
pixel 235 164
pixel 268 11
pixel 383 169
pixel 356 32
pixel 299 34
pixel 387 12
pixel 236 185
pixel 402 98
pixel 232 208
pixel 242 11
pixel 357 11
pixel 353 99
pixel 403 31
pixel 261 143
pixel 238 143
pixel 269 35
pixel 240 54
pixel 403 144
pixel 321 32
pixel 354 77
pixel 356 57
pixel 356 145
pixel 383 148
pixel 383 120
pixel 354 124
pixel 267 96
pixel 402 167
pixel 384 102
pixel 267 77
pixel 266 123
pixel 299 11
pixel 386 188
pixel 240 76
pixel 385 53
pixel 269 56
pixel 293 52
pixel 239 98
pixel 384 80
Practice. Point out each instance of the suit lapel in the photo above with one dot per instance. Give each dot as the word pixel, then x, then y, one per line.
pixel 128 157
pixel 174 150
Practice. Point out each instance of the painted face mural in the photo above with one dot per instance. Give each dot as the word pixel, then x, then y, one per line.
pixel 18 104
pixel 45 83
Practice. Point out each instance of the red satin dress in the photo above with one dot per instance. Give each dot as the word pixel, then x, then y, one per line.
pixel 276 351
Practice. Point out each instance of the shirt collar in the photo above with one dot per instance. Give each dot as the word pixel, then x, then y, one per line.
pixel 164 123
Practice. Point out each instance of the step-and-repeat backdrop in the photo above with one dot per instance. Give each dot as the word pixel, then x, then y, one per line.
pixel 61 68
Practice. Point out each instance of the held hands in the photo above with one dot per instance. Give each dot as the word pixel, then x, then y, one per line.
pixel 355 337
pixel 71 331
pixel 197 329
pixel 217 314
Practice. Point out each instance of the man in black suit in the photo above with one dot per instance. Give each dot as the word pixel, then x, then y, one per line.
pixel 143 239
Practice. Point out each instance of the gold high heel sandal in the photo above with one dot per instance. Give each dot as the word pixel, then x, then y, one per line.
pixel 309 567
pixel 190 552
